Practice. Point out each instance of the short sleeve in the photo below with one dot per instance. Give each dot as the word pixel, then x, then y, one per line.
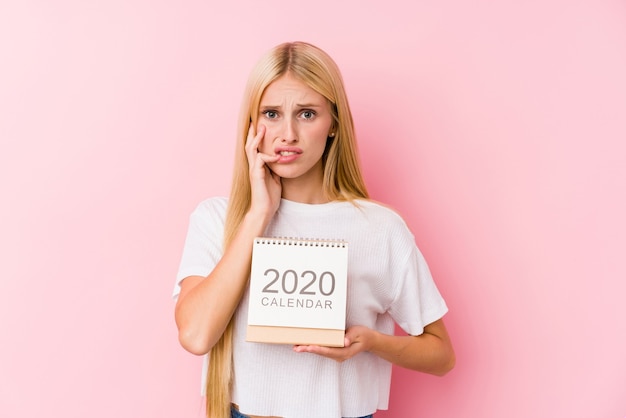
pixel 203 245
pixel 417 302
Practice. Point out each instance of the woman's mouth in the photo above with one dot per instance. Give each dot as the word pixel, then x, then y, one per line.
pixel 288 154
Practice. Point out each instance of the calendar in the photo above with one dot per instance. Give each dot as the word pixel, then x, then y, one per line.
pixel 298 291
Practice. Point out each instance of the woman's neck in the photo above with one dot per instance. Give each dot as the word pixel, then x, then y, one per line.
pixel 300 191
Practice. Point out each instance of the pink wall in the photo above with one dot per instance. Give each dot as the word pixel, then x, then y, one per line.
pixel 498 130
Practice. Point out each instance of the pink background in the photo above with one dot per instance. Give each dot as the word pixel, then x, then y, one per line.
pixel 497 129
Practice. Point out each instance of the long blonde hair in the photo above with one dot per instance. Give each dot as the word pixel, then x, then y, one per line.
pixel 342 173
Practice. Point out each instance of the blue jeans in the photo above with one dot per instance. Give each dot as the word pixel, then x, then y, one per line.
pixel 236 414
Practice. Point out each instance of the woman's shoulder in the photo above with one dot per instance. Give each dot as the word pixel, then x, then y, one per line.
pixel 379 209
pixel 212 207
pixel 387 225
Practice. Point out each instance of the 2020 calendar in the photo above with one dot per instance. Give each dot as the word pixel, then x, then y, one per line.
pixel 298 290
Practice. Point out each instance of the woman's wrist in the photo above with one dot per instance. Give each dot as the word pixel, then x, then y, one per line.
pixel 373 340
pixel 256 221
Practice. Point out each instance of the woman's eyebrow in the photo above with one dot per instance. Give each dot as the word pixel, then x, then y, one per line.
pixel 298 105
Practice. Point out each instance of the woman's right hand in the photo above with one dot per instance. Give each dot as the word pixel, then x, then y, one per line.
pixel 265 185
pixel 206 304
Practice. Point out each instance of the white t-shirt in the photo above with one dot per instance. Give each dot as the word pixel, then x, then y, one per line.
pixel 388 280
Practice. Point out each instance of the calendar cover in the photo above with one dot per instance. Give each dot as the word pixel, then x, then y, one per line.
pixel 298 290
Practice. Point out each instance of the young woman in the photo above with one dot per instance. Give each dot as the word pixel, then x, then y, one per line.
pixel 297 174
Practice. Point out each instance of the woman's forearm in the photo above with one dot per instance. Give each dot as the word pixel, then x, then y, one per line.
pixel 206 304
pixel 430 352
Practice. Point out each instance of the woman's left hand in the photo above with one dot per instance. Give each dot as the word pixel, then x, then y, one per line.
pixel 357 339
pixel 430 352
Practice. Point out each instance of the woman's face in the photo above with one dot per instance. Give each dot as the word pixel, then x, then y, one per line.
pixel 297 122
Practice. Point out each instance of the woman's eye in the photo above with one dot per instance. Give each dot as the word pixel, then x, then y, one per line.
pixel 270 114
pixel 307 114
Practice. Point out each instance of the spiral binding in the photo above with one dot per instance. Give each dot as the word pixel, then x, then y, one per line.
pixel 301 242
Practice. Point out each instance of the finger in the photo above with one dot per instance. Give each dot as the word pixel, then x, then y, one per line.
pixel 302 348
pixel 315 349
pixel 249 143
pixel 333 353
pixel 250 135
pixel 266 158
pixel 252 146
pixel 254 138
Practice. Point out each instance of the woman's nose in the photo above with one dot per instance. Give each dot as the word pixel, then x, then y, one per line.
pixel 289 134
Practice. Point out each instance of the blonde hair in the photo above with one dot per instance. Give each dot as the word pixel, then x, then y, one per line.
pixel 342 173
